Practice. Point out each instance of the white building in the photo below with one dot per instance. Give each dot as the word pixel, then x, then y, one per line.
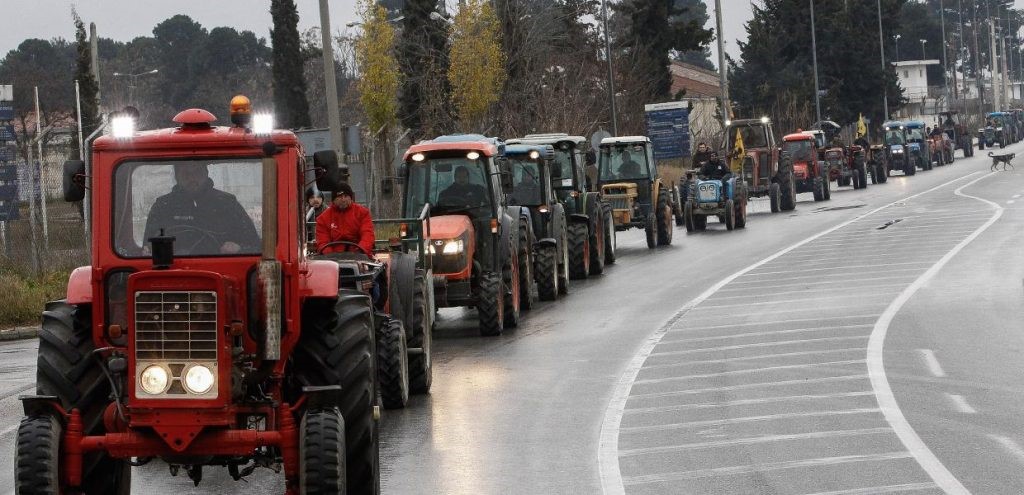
pixel 923 100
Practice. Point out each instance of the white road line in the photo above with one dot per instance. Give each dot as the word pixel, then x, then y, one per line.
pixel 748 386
pixel 770 332
pixel 649 381
pixel 961 404
pixel 878 490
pixel 932 362
pixel 608 461
pixel 1010 446
pixel 755 440
pixel 747 285
pixel 1010 202
pixel 762 468
pixel 748 402
pixel 1015 196
pixel 748 419
pixel 876 365
pixel 804 291
pixel 9 429
pixel 844 267
pixel 842 296
pixel 763 323
pixel 753 358
pixel 758 344
pixel 718 316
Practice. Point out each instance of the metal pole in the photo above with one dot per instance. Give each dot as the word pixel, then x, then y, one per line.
pixel 881 50
pixel 1007 60
pixel 78 107
pixel 996 100
pixel 42 175
pixel 723 79
pixel 945 66
pixel 330 85
pixel 814 59
pixel 976 61
pixel 32 205
pixel 611 72
pixel 94 54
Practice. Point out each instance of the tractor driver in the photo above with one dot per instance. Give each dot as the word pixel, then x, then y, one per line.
pixel 715 169
pixel 345 220
pixel 203 220
pixel 462 191
pixel 629 168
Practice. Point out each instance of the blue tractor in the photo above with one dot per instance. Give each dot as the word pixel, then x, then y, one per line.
pixel 707 198
pixel 918 149
pixel 994 131
pixel 896 148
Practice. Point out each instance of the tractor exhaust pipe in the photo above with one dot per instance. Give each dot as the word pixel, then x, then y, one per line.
pixel 270 268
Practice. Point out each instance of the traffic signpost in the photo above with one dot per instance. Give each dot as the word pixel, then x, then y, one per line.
pixel 668 127
pixel 8 170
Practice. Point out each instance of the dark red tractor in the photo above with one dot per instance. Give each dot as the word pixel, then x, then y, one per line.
pixel 805 150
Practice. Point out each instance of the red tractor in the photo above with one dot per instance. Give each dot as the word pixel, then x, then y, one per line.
pixel 763 172
pixel 847 166
pixel 201 333
pixel 804 149
pixel 481 247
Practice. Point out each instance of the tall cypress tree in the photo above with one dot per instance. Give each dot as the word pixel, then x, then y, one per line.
pixel 290 104
pixel 422 54
pixel 87 86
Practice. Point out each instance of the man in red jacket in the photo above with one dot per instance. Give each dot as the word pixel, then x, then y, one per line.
pixel 345 220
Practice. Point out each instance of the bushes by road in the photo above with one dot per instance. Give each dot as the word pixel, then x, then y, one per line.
pixel 25 295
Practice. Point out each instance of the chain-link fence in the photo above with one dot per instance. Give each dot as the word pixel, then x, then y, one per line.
pixel 42 233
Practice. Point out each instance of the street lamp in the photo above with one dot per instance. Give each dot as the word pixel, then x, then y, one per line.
pixel 922 49
pixel 132 81
pixel 898 47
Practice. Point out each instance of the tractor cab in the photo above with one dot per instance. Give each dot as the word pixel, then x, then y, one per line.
pixel 918 148
pixel 806 151
pixel 533 168
pixel 896 155
pixel 761 170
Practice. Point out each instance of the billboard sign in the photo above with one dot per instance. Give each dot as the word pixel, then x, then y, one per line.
pixel 668 127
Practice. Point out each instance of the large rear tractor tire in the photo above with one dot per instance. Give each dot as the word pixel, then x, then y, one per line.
pixel 66 369
pixel 420 337
pixel 527 286
pixel 741 213
pixel 610 234
pixel 730 215
pixel 336 348
pixel 322 453
pixel 688 216
pixel 788 198
pixel 490 305
pixel 579 251
pixel 511 290
pixel 392 364
pixel 818 189
pixel 563 266
pixel 547 273
pixel 775 197
pixel 664 217
pixel 597 245
pixel 651 230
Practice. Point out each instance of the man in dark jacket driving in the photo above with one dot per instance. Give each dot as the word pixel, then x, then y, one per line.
pixel 715 169
pixel 202 219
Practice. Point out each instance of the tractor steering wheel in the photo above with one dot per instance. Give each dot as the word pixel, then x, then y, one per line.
pixel 347 243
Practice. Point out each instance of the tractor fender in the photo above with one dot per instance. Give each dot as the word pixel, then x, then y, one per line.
pixel 546 242
pixel 320 278
pixel 401 282
pixel 579 218
pixel 80 286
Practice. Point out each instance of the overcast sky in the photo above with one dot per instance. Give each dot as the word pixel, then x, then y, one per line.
pixel 123 20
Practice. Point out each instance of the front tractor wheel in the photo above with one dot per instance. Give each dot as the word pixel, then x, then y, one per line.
pixel 775 197
pixel 788 202
pixel 322 453
pixel 392 364
pixel 609 234
pixel 527 287
pixel 579 251
pixel 730 215
pixel 547 273
pixel 651 230
pixel 420 363
pixel 336 348
pixel 597 245
pixel 67 370
pixel 818 189
pixel 37 456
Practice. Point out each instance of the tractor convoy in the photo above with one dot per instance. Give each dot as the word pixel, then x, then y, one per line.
pixel 209 331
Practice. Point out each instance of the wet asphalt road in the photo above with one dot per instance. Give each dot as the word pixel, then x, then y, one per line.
pixel 769 384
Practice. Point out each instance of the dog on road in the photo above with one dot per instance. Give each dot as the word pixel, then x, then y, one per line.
pixel 1004 159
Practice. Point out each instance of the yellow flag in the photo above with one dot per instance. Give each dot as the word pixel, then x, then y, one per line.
pixel 736 164
pixel 862 129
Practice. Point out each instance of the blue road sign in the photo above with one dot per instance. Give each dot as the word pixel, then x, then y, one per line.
pixel 8 193
pixel 6 110
pixel 7 133
pixel 7 153
pixel 668 127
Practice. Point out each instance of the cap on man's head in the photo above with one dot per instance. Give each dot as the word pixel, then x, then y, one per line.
pixel 344 188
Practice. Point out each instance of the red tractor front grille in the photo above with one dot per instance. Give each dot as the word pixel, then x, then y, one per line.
pixel 176 326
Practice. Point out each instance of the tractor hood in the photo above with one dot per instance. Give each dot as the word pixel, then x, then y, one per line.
pixel 800 170
pixel 449 226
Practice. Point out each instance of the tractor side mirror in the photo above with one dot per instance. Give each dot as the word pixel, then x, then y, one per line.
pixel 74 180
pixel 328 172
pixel 403 170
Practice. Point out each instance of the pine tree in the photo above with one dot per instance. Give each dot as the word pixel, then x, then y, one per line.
pixel 657 27
pixel 87 86
pixel 422 54
pixel 695 11
pixel 290 104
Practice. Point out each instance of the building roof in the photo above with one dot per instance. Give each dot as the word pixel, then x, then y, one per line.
pixel 913 63
pixel 697 81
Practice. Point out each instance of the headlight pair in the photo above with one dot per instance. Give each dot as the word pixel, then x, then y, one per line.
pixel 449 246
pixel 197 379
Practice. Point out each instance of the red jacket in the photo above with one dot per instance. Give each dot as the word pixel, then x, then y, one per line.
pixel 352 224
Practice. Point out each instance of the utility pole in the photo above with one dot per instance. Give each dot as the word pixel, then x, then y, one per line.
pixel 976 62
pixel 881 49
pixel 611 72
pixel 814 59
pixel 330 84
pixel 945 66
pixel 1007 95
pixel 42 172
pixel 996 97
pixel 723 80
pixel 94 63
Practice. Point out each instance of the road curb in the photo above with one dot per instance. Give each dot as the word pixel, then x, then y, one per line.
pixel 18 333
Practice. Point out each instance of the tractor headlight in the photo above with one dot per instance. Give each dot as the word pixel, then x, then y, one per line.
pixel 198 379
pixel 154 379
pixel 448 246
pixel 122 127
